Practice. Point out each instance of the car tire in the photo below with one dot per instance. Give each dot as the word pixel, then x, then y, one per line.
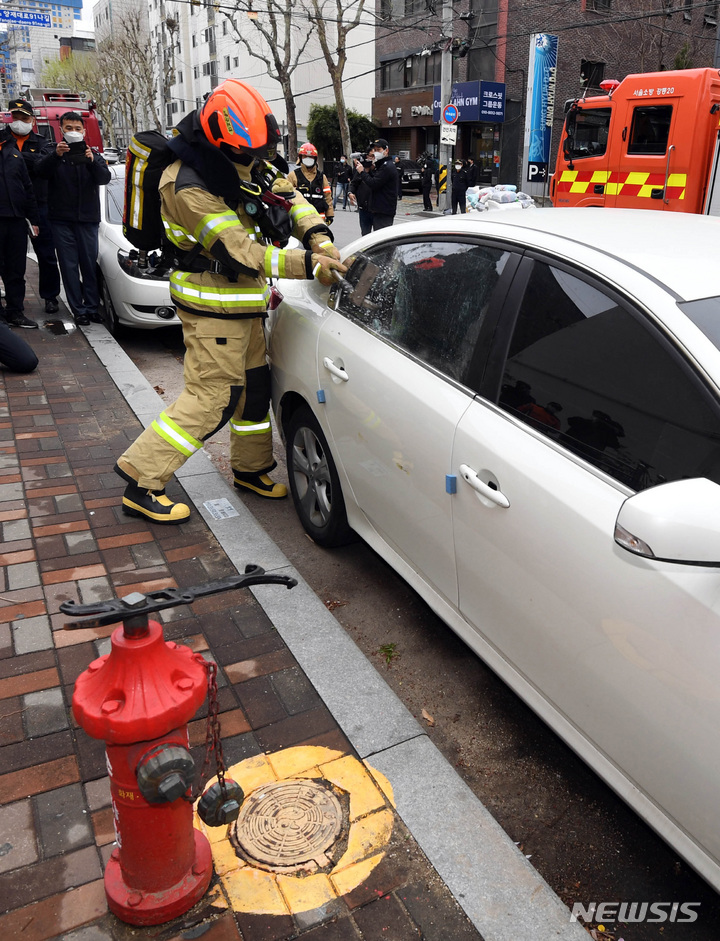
pixel 314 482
pixel 109 317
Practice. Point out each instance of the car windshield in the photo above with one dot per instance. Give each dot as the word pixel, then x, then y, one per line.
pixel 705 314
pixel 115 194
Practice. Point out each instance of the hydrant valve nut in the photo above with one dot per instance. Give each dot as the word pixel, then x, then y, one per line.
pixel 165 773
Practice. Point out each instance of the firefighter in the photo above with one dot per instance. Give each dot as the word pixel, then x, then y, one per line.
pixel 313 184
pixel 223 234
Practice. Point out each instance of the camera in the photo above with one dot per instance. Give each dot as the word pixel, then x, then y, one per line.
pixel 363 158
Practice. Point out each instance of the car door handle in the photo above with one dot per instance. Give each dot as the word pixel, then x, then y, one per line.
pixel 335 370
pixel 470 477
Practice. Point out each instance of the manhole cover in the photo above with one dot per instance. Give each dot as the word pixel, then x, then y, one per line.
pixel 289 823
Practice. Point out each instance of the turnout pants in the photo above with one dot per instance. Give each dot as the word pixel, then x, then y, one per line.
pixel 227 380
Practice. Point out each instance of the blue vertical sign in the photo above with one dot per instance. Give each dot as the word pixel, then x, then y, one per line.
pixel 540 105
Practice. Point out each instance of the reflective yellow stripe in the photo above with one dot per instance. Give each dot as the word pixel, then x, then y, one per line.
pixel 243 428
pixel 140 165
pixel 299 212
pixel 206 296
pixel 181 440
pixel 274 262
pixel 212 225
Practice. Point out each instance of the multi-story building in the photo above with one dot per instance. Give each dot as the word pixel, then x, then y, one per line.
pixel 27 48
pixel 199 49
pixel 490 42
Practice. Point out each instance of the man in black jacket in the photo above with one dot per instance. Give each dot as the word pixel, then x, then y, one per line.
pixel 74 211
pixel 382 181
pixel 18 211
pixel 32 146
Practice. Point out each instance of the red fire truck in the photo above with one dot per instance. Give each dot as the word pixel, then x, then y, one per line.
pixel 50 103
pixel 651 141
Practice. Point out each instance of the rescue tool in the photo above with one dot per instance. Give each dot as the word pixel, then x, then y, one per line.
pixel 138 699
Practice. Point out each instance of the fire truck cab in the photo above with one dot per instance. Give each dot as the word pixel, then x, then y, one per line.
pixel 651 142
pixel 49 104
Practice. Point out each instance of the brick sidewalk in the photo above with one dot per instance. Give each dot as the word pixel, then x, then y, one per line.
pixel 64 538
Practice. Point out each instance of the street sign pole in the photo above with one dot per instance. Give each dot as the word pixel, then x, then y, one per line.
pixel 445 200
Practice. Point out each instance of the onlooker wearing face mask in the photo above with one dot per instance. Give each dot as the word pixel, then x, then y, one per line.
pixel 74 211
pixel 342 182
pixel 382 181
pixel 459 186
pixel 18 209
pixel 313 185
pixel 32 146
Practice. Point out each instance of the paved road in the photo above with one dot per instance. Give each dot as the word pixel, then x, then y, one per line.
pixel 582 839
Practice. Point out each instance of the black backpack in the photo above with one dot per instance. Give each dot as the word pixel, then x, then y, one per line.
pixel 148 155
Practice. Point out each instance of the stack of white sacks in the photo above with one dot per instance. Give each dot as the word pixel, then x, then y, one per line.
pixel 501 196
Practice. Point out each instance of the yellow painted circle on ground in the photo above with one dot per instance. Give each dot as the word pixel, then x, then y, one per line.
pixel 260 892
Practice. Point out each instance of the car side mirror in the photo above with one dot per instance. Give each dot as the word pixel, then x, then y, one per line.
pixel 674 522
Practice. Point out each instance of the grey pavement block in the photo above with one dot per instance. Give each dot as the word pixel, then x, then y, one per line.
pixel 16 529
pixel 79 543
pixel 59 470
pixel 147 555
pixel 8 460
pixel 295 691
pixel 5 636
pixel 91 933
pixel 63 821
pixel 103 646
pixel 68 502
pixel 502 894
pixel 43 421
pixel 95 589
pixel 23 575
pixel 98 793
pixel 11 492
pixel 31 634
pixel 44 712
pixel 17 836
pixel 362 703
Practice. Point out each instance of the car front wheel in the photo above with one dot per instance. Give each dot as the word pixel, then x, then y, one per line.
pixel 314 482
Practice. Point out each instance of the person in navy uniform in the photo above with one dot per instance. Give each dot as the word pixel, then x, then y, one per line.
pixel 382 181
pixel 32 146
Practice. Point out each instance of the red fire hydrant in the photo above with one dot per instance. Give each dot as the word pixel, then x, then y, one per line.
pixel 139 699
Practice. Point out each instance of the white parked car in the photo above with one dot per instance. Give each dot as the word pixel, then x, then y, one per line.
pixel 520 412
pixel 111 155
pixel 132 296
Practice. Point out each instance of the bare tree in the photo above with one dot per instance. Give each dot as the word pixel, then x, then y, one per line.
pixel 284 41
pixel 82 74
pixel 334 19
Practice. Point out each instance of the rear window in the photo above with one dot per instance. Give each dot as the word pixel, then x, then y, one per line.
pixel 650 129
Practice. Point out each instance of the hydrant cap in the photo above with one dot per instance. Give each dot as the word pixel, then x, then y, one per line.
pixel 144 688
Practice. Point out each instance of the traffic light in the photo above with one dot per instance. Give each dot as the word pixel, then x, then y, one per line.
pixel 3 80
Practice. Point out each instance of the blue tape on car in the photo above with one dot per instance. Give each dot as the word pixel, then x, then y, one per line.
pixel 321 396
pixel 450 483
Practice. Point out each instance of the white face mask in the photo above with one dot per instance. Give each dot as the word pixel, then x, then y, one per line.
pixel 342 160
pixel 20 127
pixel 458 166
pixel 309 161
pixel 73 137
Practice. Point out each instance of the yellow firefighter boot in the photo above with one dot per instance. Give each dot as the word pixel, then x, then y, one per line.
pixel 261 484
pixel 154 505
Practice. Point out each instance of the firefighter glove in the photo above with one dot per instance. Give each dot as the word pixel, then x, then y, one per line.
pixel 323 268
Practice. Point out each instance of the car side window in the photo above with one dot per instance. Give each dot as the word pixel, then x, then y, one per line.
pixel 430 297
pixel 585 371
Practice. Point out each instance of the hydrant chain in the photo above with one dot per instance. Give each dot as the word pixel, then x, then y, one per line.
pixel 213 738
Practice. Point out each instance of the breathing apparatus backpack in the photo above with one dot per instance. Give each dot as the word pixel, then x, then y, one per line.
pixel 148 156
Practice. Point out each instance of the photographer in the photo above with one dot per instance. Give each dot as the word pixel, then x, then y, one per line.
pixel 382 181
pixel 360 193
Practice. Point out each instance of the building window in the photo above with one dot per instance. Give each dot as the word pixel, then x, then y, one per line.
pixel 687 14
pixel 227 63
pixel 179 78
pixel 601 6
pixel 236 62
pixel 196 71
pixel 194 40
pixel 225 26
pixel 591 73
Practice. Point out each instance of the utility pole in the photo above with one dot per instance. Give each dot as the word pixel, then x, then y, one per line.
pixel 445 201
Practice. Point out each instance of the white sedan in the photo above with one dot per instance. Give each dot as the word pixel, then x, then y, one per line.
pixel 520 412
pixel 132 296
